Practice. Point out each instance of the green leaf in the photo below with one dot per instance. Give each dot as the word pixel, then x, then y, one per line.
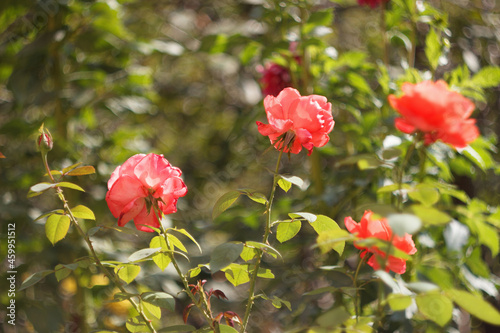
pixel 265 273
pixel 55 211
pixel 71 167
pixel 475 305
pixel 318 18
pixel 278 302
pixel 333 318
pixel 62 271
pixel 435 307
pixel 307 216
pixel 390 153
pixel 136 325
pixel 284 184
pixel 82 171
pixel 432 48
pixel 255 196
pixel 227 329
pixel 425 194
pixel 250 51
pixel 333 240
pixel 236 274
pixel 398 302
pixel 40 187
pixel 56 227
pixel 143 254
pixel 174 241
pixel 422 287
pixel 324 223
pixel 70 185
pixel 177 328
pixel 224 202
pixel 34 278
pixel 127 272
pixel 162 260
pixel 488 236
pixel 83 212
pixel 430 215
pixel 393 187
pixel 248 253
pixel 225 254
pixel 194 272
pixel 153 309
pixel 159 298
pixel 287 230
pixel 402 224
pixel 387 279
pixel 187 234
pixel 487 77
pixel 264 247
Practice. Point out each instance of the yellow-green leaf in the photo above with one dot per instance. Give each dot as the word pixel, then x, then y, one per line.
pixel 83 212
pixel 56 227
pixel 287 230
pixel 127 272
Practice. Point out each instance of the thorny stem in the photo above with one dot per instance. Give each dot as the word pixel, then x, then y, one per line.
pixel 202 305
pixel 260 253
pixel 110 276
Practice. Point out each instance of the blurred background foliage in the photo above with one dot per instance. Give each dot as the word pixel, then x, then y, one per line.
pixel 113 78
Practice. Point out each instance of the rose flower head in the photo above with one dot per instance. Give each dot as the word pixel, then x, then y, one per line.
pixel 436 111
pixel 371 3
pixel 297 121
pixel 142 188
pixel 274 78
pixel 369 227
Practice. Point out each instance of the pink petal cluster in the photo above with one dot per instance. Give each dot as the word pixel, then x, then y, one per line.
pixel 274 78
pixel 372 228
pixel 433 109
pixel 297 121
pixel 371 3
pixel 142 187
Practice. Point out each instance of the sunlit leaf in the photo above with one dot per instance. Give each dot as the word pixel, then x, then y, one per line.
pixel 83 212
pixel 436 307
pixel 187 234
pixel 307 216
pixel 82 171
pixel 70 185
pixel 475 305
pixel 127 272
pixel 287 230
pixel 153 309
pixel 432 48
pixel 398 302
pixel 236 274
pixel 143 254
pixel 56 227
pixel 264 247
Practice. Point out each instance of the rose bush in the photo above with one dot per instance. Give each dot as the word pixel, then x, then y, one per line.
pixel 434 110
pixel 369 227
pixel 142 187
pixel 297 121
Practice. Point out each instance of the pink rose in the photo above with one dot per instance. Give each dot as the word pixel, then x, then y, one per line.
pixel 371 228
pixel 297 121
pixel 142 187
pixel 438 112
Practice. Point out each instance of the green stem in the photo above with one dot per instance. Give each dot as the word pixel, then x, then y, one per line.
pixel 202 305
pixel 260 253
pixel 356 295
pixel 400 175
pixel 110 276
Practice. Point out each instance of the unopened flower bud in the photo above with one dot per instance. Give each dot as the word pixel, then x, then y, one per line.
pixel 45 142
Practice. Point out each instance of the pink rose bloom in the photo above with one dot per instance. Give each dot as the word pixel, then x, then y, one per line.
pixel 371 228
pixel 142 187
pixel 438 112
pixel 274 78
pixel 371 3
pixel 297 121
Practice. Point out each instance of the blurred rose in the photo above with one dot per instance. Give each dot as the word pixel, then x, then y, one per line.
pixel 297 121
pixel 441 114
pixel 274 78
pixel 371 228
pixel 142 187
pixel 371 3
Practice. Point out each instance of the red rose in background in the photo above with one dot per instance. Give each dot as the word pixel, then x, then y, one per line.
pixel 140 187
pixel 274 79
pixel 371 3
pixel 297 121
pixel 371 228
pixel 441 114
